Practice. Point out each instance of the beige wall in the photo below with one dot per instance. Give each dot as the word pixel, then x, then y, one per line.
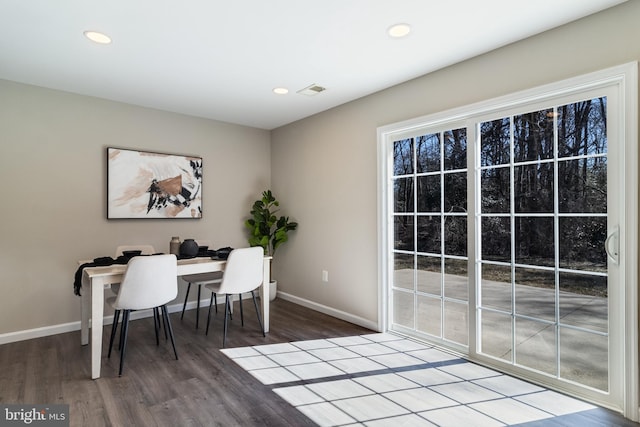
pixel 324 167
pixel 52 169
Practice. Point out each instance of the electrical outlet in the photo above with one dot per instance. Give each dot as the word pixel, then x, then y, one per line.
pixel 325 276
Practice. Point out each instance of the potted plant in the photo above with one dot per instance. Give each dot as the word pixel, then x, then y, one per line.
pixel 267 229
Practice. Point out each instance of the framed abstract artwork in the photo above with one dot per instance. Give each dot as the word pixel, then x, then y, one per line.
pixel 142 184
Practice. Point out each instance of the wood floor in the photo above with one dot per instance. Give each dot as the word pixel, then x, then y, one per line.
pixel 202 388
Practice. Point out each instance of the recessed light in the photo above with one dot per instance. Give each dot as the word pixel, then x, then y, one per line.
pixel 399 30
pixel 97 37
pixel 281 90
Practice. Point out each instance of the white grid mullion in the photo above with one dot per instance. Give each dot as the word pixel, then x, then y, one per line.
pixel 556 238
pixel 512 226
pixel 477 203
pixel 415 233
pixel 442 234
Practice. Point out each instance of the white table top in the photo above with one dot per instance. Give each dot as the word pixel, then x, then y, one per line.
pixel 185 266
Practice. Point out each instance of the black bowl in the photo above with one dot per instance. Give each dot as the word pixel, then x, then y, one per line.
pixel 131 253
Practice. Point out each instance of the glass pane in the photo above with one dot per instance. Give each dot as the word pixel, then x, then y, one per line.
pixel 403 309
pixel 429 234
pixel 582 128
pixel 429 275
pixel 403 233
pixel 429 315
pixel 496 287
pixel 429 193
pixel 584 358
pixel 455 149
pixel 403 195
pixel 428 153
pixel 582 243
pixel 583 301
pixel 403 271
pixel 495 138
pixel 455 192
pixel 535 293
pixel 533 136
pixel 495 334
pixel 534 241
pixel 536 345
pixel 403 157
pixel 455 235
pixel 456 279
pixel 496 239
pixel 456 322
pixel 495 188
pixel 533 188
pixel 582 185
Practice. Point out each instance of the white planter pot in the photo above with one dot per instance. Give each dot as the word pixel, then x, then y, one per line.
pixel 273 289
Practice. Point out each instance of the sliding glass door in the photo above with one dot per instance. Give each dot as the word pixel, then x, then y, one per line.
pixel 542 226
pixel 430 235
pixel 503 234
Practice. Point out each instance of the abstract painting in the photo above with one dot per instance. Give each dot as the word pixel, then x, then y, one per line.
pixel 142 184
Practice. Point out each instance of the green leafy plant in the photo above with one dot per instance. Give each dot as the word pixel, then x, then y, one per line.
pixel 266 228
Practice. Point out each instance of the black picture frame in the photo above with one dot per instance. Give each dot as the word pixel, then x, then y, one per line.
pixel 145 184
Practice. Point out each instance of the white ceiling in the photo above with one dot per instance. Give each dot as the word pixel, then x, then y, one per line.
pixel 221 59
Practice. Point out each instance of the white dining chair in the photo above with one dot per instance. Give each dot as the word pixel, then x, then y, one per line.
pixel 120 250
pixel 200 280
pixel 242 274
pixel 149 282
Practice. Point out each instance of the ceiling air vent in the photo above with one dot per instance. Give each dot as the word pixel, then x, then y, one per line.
pixel 312 90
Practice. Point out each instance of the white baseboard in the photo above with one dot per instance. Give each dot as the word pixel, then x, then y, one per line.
pixel 75 326
pixel 38 332
pixel 348 317
pixel 204 304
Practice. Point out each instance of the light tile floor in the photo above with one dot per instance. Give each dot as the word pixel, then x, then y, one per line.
pixel 387 380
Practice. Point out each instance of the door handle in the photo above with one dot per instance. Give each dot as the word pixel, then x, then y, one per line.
pixel 613 239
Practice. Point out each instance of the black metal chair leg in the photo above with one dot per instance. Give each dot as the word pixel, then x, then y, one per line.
pixel 227 310
pixel 185 300
pixel 165 325
pixel 125 330
pixel 121 334
pixel 241 313
pixel 156 323
pixel 168 325
pixel 255 303
pixel 209 314
pixel 116 317
pixel 198 307
pixel 215 299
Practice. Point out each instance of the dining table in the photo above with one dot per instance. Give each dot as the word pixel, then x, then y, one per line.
pixel 95 280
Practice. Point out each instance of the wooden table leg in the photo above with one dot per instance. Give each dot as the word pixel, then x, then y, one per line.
pixel 85 314
pixel 97 313
pixel 266 273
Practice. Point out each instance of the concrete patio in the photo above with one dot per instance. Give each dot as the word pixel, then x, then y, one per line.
pixel 583 351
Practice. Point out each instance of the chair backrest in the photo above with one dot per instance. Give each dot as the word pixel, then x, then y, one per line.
pixel 243 271
pixel 149 281
pixel 146 249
